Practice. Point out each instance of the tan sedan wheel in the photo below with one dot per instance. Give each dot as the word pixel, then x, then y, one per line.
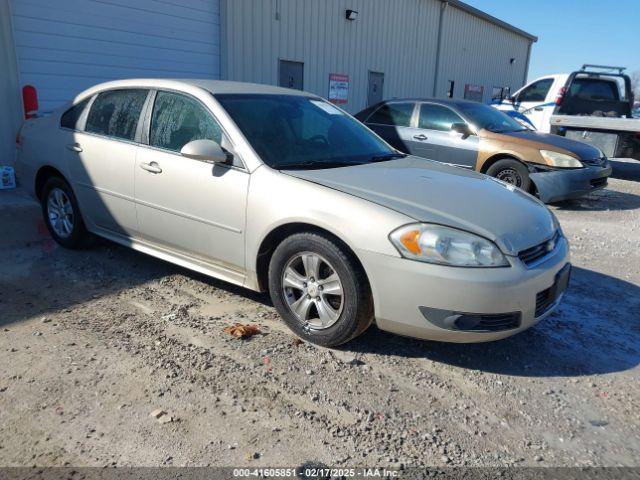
pixel 319 289
pixel 512 172
pixel 62 214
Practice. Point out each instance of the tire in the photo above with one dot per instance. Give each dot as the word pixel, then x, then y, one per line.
pixel 340 317
pixel 511 171
pixel 70 232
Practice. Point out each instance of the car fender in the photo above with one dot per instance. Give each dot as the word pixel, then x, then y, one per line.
pixel 276 199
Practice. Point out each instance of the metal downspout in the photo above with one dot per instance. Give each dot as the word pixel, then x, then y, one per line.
pixel 443 7
pixel 526 67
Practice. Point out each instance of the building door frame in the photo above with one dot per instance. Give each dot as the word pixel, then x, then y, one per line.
pixel 290 74
pixel 375 87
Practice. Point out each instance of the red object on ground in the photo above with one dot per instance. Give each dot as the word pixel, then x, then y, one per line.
pixel 29 101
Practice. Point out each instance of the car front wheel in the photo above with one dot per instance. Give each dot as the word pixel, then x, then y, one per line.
pixel 512 172
pixel 319 289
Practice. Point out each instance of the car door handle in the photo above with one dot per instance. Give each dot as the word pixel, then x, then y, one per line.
pixel 538 109
pixel 74 147
pixel 421 137
pixel 152 167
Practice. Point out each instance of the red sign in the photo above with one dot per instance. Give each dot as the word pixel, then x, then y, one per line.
pixel 338 88
pixel 473 92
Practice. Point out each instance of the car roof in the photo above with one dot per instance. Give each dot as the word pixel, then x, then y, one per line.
pixel 222 87
pixel 214 86
pixel 440 101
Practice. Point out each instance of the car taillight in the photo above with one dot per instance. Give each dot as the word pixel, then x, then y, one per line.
pixel 560 96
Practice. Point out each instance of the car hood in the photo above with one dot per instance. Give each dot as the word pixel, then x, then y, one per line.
pixel 431 192
pixel 582 150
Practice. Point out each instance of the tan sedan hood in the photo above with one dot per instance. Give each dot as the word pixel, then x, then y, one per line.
pixel 431 192
pixel 544 141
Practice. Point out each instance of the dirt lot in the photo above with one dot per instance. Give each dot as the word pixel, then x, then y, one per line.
pixel 92 342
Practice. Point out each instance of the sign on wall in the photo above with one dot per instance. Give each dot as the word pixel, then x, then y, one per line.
pixel 338 88
pixel 473 92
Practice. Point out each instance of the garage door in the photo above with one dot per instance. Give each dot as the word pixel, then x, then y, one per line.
pixel 65 46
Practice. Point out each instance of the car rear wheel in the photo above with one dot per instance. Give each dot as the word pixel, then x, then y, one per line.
pixel 62 215
pixel 319 289
pixel 512 172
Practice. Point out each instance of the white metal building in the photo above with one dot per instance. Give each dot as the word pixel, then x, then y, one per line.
pixel 365 50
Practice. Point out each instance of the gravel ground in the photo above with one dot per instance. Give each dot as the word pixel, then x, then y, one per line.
pixel 93 342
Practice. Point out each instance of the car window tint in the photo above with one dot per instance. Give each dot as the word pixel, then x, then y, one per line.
pixel 588 89
pixel 437 117
pixel 116 113
pixel 536 92
pixel 178 119
pixel 398 114
pixel 288 130
pixel 71 117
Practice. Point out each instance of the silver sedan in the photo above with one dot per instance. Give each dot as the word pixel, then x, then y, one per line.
pixel 280 191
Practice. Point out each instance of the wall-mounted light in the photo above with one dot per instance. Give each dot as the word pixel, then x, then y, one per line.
pixel 351 15
pixel 512 61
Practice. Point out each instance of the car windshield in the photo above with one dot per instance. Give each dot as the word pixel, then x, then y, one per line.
pixel 295 131
pixel 490 118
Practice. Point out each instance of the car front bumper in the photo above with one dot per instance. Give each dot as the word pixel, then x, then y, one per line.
pixel 409 296
pixel 557 185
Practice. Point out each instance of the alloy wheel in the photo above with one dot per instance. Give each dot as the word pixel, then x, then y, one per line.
pixel 313 290
pixel 60 212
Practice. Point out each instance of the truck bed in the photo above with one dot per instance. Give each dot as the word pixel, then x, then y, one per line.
pixel 596 123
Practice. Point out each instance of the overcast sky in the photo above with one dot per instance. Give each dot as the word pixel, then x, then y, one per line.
pixel 574 32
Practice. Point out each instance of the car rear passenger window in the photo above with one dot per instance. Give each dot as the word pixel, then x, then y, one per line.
pixel 116 113
pixel 178 120
pixel 437 117
pixel 536 92
pixel 71 117
pixel 398 114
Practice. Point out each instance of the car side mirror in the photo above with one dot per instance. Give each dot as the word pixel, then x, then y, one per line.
pixel 205 151
pixel 512 99
pixel 462 128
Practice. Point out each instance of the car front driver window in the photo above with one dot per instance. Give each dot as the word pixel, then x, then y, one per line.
pixel 178 119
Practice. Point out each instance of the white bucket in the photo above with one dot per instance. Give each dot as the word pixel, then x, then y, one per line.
pixel 7 178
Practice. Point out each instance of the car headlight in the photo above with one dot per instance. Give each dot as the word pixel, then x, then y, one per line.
pixel 446 246
pixel 556 224
pixel 560 160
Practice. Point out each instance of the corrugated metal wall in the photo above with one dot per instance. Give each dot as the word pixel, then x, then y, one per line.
pixel 10 105
pixel 398 38
pixel 66 46
pixel 478 52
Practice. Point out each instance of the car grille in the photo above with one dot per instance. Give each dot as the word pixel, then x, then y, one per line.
pixel 599 162
pixel 496 323
pixel 544 300
pixel 533 254
pixel 599 182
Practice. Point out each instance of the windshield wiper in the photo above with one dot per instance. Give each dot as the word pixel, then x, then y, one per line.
pixel 337 164
pixel 386 158
pixel 319 165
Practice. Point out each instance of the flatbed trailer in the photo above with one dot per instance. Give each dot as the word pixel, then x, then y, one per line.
pixel 599 123
pixel 616 137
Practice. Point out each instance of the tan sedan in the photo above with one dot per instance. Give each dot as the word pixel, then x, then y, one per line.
pixel 479 137
pixel 277 190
